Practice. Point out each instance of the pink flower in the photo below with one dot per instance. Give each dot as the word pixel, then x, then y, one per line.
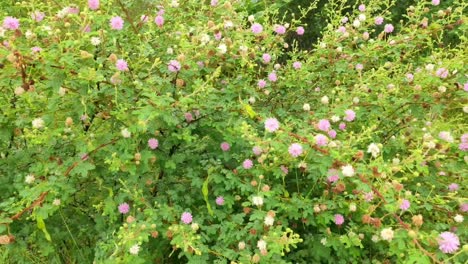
pixel 359 67
pixel 362 7
pixel 261 83
pixel 341 29
pixel 257 28
pixel 214 2
pixel 297 65
pixel 117 23
pixel 188 117
pixel 453 187
pixel 442 73
pixel 225 146
pixel 435 2
pixel 36 49
pixel 342 126
pixel 284 169
pixel 379 20
pixel 295 150
pixel 159 20
pixel 266 58
pixel 272 77
pixel 121 65
pixel 73 10
pixel 344 20
pixel 300 31
pixel 11 23
pixel 247 164
pixel 321 140
pixel 350 115
pixel 388 28
pixel 37 16
pixel 404 205
pixel 463 146
pixel 333 176
pixel 324 125
pixel 271 124
pixel 465 87
pixel 369 196
pixel 409 77
pixel 218 35
pixel 339 219
pixel 219 200
pixel 464 138
pixel 153 143
pixel 93 4
pixel 448 242
pixel 464 207
pixel 174 66
pixel 186 218
pixel 332 133
pixel 257 150
pixel 280 30
pixel 144 18
pixel 124 208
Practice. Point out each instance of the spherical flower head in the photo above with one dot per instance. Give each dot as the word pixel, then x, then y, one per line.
pixel 409 77
pixel 359 67
pixel 463 146
pixel 404 205
pixel 300 31
pixel 173 66
pixel 272 77
pixel 266 58
pixel 257 200
pixel 373 149
pixel 369 196
pixel 225 146
pixel 214 2
pixel 332 176
pixel 324 125
pixel 458 218
pixel 134 249
pixel 188 117
pixel 269 220
pixel 464 138
pixel 153 143
pixel 321 140
pixel 38 123
pixel 350 115
pixel 448 242
pixel 36 49
pixel 93 4
pixel 124 208
pixel 332 133
pixel 280 30
pixel 435 2
pixel 125 133
pixel 297 65
pixel 272 124
pixel 37 16
pixel 29 179
pixel 295 150
pixel 284 169
pixel 186 218
pixel 347 170
pixel 261 244
pixel 256 28
pixel 388 28
pixel 159 20
pixel 117 23
pixel 247 164
pixel 219 200
pixel 261 84
pixel 257 150
pixel 464 207
pixel 121 65
pixel 379 20
pixel 342 126
pixel 11 23
pixel 362 7
pixel 453 187
pixel 95 41
pixel 344 20
pixel 387 234
pixel 339 219
pixel 446 136
pixel 442 73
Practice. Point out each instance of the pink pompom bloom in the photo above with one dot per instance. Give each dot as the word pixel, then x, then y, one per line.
pixel 341 29
pixel 362 7
pixel 333 176
pixel 448 242
pixel 257 150
pixel 261 83
pixel 272 77
pixel 124 208
pixel 321 140
pixel 256 28
pixel 359 67
pixel 295 150
pixel 37 16
pixel 435 2
pixel 280 30
pixel 266 58
pixel 11 23
pixel 409 77
pixel 218 35
pixel 121 65
pixel 159 20
pixel 247 164
pixel 225 146
pixel 93 4
pixel 297 65
pixel 36 49
pixel 284 169
pixel 116 23
pixel 214 2
pixel 463 146
pixel 369 196
pixel 339 219
pixel 324 125
pixel 174 66
pixel 188 117
pixel 404 205
pixel 464 207
pixel 379 20
pixel 388 28
pixel 453 187
pixel 300 31
pixel 153 143
pixel 464 138
pixel 344 20
pixel 186 218
pixel 350 115
pixel 442 73
pixel 272 124
pixel 219 200
pixel 342 126
pixel 332 133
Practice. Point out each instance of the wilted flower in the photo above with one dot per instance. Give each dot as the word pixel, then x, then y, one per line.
pixel 373 149
pixel 347 170
pixel 387 234
pixel 134 249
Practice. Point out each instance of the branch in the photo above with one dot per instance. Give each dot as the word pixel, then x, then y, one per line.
pixel 37 202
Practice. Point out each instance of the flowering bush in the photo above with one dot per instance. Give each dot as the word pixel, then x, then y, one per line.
pixel 140 132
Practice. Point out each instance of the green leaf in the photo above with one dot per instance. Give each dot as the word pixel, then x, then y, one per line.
pixel 41 225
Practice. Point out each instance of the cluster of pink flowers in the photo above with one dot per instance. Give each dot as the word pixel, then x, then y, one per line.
pixel 442 73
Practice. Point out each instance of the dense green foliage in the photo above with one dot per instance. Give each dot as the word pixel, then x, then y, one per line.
pixel 175 139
